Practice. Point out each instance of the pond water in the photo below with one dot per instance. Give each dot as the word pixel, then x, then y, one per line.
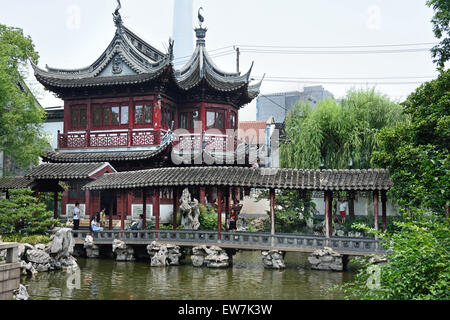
pixel 102 279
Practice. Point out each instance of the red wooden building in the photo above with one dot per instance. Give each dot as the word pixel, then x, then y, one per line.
pixel 133 110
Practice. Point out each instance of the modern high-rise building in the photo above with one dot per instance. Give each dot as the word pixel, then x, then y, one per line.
pixel 278 105
pixel 182 31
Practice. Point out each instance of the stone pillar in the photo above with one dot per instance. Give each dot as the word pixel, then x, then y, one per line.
pixel 326 259
pixel 273 259
pixel 122 251
pixel 92 250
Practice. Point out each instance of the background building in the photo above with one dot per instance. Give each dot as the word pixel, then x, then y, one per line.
pixel 278 105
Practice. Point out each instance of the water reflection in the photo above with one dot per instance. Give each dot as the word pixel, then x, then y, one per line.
pixel 111 280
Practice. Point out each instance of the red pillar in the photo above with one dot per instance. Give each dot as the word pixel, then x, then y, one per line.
pixel 329 213
pixel 144 208
pixel 156 207
pixel 219 214
pixel 375 209
pixel 227 207
pixel 176 204
pixel 111 208
pixel 122 210
pixel 55 205
pixel 272 212
pixel 157 106
pixel 202 195
pixel 383 210
pixel 87 197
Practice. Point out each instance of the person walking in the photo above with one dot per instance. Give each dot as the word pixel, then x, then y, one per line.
pixel 76 216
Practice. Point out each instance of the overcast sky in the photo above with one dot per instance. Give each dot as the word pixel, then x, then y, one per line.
pixel 73 33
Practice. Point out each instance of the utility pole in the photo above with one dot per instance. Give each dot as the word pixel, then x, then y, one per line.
pixel 238 54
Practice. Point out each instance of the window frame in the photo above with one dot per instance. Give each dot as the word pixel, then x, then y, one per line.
pixel 108 107
pixel 78 109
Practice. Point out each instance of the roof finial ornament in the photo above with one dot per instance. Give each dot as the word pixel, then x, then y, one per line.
pixel 116 15
pixel 201 19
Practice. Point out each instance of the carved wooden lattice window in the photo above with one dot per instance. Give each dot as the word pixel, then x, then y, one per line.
pixel 78 117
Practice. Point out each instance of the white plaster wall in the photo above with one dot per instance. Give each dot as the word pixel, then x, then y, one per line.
pixel 165 212
pixel 51 129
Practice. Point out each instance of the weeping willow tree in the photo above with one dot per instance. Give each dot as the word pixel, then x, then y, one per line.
pixel 335 135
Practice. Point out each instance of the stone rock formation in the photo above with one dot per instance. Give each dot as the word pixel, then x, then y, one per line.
pixel 189 211
pixel 21 293
pixel 92 250
pixel 56 255
pixel 326 259
pixel 273 259
pixel 164 254
pixel 211 257
pixel 122 251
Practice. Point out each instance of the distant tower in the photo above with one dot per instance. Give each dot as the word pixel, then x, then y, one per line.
pixel 183 31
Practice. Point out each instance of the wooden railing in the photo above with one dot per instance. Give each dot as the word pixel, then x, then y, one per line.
pixel 198 142
pixel 109 139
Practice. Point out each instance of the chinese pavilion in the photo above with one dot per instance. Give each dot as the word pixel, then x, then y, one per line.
pixel 132 110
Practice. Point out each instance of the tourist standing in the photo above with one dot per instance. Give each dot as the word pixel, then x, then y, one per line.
pixel 76 216
pixel 103 217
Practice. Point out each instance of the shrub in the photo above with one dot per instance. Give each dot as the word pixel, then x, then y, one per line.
pixel 22 214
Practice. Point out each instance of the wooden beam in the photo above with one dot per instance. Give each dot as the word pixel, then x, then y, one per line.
pixel 176 205
pixel 375 209
pixel 383 210
pixel 202 195
pixel 219 213
pixel 328 214
pixel 156 206
pixel 111 209
pixel 122 211
pixel 272 212
pixel 144 208
pixel 55 205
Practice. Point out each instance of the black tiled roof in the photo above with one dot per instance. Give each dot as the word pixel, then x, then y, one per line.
pixel 363 180
pixel 56 171
pixel 87 157
pixel 7 183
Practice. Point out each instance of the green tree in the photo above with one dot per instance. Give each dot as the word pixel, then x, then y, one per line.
pixel 441 28
pixel 334 134
pixel 416 152
pixel 417 265
pixel 22 214
pixel 21 117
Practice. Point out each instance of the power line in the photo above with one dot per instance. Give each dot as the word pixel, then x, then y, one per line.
pixel 339 82
pixel 350 78
pixel 339 47
pixel 335 52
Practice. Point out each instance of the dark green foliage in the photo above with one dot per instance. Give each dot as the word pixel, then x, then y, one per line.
pixel 290 211
pixel 418 263
pixel 21 116
pixel 416 152
pixel 441 29
pixel 209 218
pixel 21 214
